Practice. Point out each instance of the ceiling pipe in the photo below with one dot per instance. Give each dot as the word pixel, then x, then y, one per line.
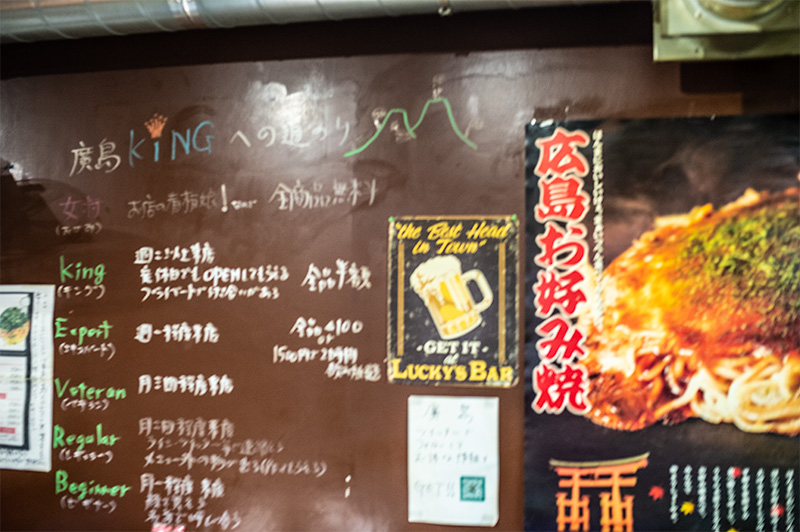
pixel 39 20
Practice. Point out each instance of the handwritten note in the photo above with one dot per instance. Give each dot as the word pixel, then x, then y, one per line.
pixel 453 461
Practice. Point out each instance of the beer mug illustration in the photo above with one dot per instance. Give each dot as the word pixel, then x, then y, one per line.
pixel 441 285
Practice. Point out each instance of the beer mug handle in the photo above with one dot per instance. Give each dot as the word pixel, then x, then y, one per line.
pixel 483 286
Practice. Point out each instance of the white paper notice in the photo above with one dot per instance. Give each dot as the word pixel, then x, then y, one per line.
pixel 453 460
pixel 26 376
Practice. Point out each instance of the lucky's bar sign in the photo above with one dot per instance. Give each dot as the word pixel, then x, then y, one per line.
pixel 453 300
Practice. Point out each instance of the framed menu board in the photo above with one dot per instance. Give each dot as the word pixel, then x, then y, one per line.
pixel 216 241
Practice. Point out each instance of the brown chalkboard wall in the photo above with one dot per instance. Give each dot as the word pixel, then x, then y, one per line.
pixel 273 129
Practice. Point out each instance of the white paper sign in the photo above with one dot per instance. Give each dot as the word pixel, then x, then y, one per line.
pixel 453 460
pixel 26 376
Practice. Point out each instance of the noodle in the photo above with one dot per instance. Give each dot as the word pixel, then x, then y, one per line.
pixel 711 401
pixel 756 392
pixel 762 399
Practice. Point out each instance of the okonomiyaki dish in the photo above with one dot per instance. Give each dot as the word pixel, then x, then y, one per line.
pixel 701 318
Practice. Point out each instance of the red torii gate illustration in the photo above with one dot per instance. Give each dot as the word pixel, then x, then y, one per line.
pixel 616 510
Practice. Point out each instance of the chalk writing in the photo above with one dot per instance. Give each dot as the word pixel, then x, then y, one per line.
pixel 338 354
pixel 62 439
pixel 240 204
pixel 296 120
pixel 84 488
pixel 187 140
pixel 173 502
pixel 215 275
pixel 87 291
pixel 83 332
pixel 178 332
pixel 368 372
pixel 89 207
pixel 85 228
pixel 173 486
pixel 95 335
pixel 185 427
pixel 199 443
pixel 80 455
pixel 77 271
pixel 155 125
pixel 80 216
pixel 345 274
pixel 383 118
pixel 103 157
pixel 217 462
pixel 200 434
pixel 89 503
pixel 196 253
pixel 224 190
pixel 348 192
pixel 229 292
pixel 341 361
pixel 221 279
pixel 226 447
pixel 185 202
pixel 83 158
pixel 92 275
pixel 104 349
pixel 197 385
pixel 271 467
pixel 293 135
pixel 200 519
pixel 83 404
pixel 82 391
pixel 324 334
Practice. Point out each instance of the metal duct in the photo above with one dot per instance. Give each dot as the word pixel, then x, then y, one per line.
pixel 37 20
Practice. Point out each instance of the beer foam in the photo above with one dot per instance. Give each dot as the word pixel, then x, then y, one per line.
pixel 435 269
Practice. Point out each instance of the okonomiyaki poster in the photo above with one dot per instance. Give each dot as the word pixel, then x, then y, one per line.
pixel 453 300
pixel 663 324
